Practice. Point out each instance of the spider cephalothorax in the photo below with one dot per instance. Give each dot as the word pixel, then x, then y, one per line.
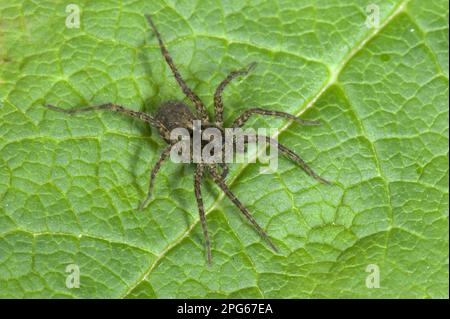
pixel 173 114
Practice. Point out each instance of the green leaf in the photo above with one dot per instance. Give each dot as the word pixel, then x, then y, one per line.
pixel 70 186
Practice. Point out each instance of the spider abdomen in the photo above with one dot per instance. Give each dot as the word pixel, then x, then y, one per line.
pixel 175 114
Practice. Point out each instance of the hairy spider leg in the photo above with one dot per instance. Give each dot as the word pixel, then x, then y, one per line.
pixel 199 170
pixel 293 157
pixel 218 103
pixel 201 109
pixel 165 153
pixel 224 169
pixel 221 183
pixel 245 116
pixel 117 108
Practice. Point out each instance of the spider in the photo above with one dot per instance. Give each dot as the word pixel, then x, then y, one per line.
pixel 175 114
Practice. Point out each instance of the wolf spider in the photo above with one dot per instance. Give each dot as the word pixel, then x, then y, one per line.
pixel 175 114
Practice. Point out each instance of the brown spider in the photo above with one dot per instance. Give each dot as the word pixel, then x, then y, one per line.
pixel 174 114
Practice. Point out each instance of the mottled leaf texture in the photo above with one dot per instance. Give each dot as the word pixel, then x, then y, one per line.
pixel 70 186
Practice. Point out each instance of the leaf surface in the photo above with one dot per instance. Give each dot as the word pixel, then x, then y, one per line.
pixel 70 186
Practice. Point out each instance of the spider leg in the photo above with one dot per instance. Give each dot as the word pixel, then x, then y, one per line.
pixel 224 170
pixel 201 109
pixel 116 108
pixel 218 103
pixel 244 117
pixel 294 157
pixel 221 183
pixel 155 170
pixel 201 209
